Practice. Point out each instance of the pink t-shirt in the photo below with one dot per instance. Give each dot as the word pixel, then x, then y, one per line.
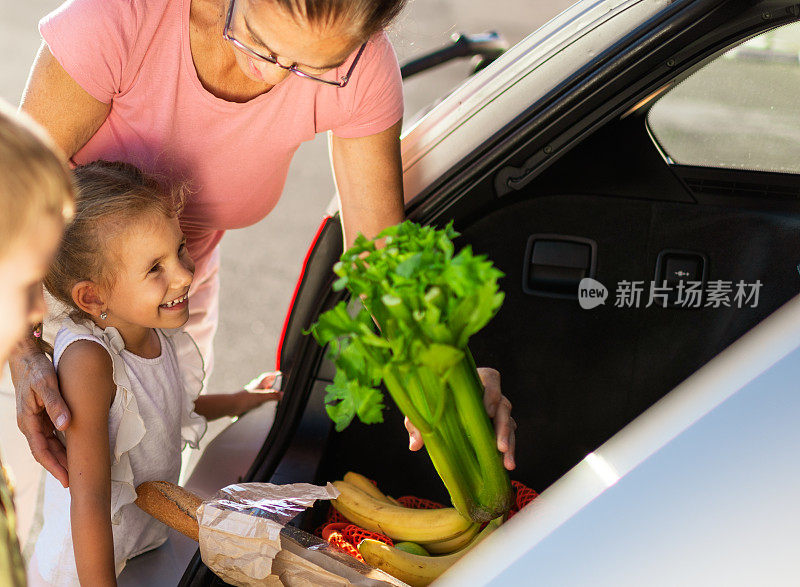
pixel 135 54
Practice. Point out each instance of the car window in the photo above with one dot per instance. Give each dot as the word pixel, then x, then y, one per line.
pixel 740 111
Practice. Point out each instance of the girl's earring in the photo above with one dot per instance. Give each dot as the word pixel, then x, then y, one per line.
pixel 103 315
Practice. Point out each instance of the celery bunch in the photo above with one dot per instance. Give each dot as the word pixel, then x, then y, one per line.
pixel 427 301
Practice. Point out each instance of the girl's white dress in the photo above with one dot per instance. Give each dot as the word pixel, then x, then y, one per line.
pixel 150 421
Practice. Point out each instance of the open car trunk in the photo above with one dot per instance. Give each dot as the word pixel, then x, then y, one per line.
pixel 575 376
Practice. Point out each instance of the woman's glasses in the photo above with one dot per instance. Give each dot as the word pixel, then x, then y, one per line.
pixel 228 36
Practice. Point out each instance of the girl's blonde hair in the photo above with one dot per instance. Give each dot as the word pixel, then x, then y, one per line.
pixel 110 197
pixel 34 182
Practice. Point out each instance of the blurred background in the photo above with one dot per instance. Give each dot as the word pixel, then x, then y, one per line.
pixel 261 264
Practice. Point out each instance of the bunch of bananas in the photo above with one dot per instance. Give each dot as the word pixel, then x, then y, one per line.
pixel 421 533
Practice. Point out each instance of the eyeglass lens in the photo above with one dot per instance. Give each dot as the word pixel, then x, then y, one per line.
pixel 239 31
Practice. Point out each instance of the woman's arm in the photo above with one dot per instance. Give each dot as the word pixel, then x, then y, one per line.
pixel 60 105
pixel 369 178
pixel 85 377
pixel 71 116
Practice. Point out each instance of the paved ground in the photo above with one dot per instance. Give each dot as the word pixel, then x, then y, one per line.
pixel 261 263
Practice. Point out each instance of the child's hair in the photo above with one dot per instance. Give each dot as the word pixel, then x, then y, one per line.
pixel 110 197
pixel 34 182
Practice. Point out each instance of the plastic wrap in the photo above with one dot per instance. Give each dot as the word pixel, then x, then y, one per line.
pixel 245 540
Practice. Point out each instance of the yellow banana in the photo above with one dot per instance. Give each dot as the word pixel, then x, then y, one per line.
pixel 452 544
pixel 368 487
pixel 414 569
pixel 435 547
pixel 365 485
pixel 397 522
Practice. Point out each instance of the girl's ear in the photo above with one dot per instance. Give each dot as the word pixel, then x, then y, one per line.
pixel 87 296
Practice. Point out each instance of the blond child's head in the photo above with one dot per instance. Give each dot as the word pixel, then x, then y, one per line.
pixel 36 196
pixel 123 255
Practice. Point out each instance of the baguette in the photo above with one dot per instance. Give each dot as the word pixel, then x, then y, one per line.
pixel 170 504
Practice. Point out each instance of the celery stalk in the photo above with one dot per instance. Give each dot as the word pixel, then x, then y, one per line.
pixel 426 301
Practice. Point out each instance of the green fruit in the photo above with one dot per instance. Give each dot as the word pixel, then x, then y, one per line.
pixel 411 548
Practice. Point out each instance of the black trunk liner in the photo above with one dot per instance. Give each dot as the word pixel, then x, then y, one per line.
pixel 577 376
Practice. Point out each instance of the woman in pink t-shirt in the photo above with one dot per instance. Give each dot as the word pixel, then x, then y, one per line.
pixel 221 93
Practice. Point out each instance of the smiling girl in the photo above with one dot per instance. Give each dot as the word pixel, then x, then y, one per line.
pixel 130 375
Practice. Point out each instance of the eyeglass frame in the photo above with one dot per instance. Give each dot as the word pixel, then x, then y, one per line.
pixel 226 34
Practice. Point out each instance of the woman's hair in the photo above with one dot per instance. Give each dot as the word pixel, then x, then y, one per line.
pixel 370 15
pixel 110 198
pixel 34 182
